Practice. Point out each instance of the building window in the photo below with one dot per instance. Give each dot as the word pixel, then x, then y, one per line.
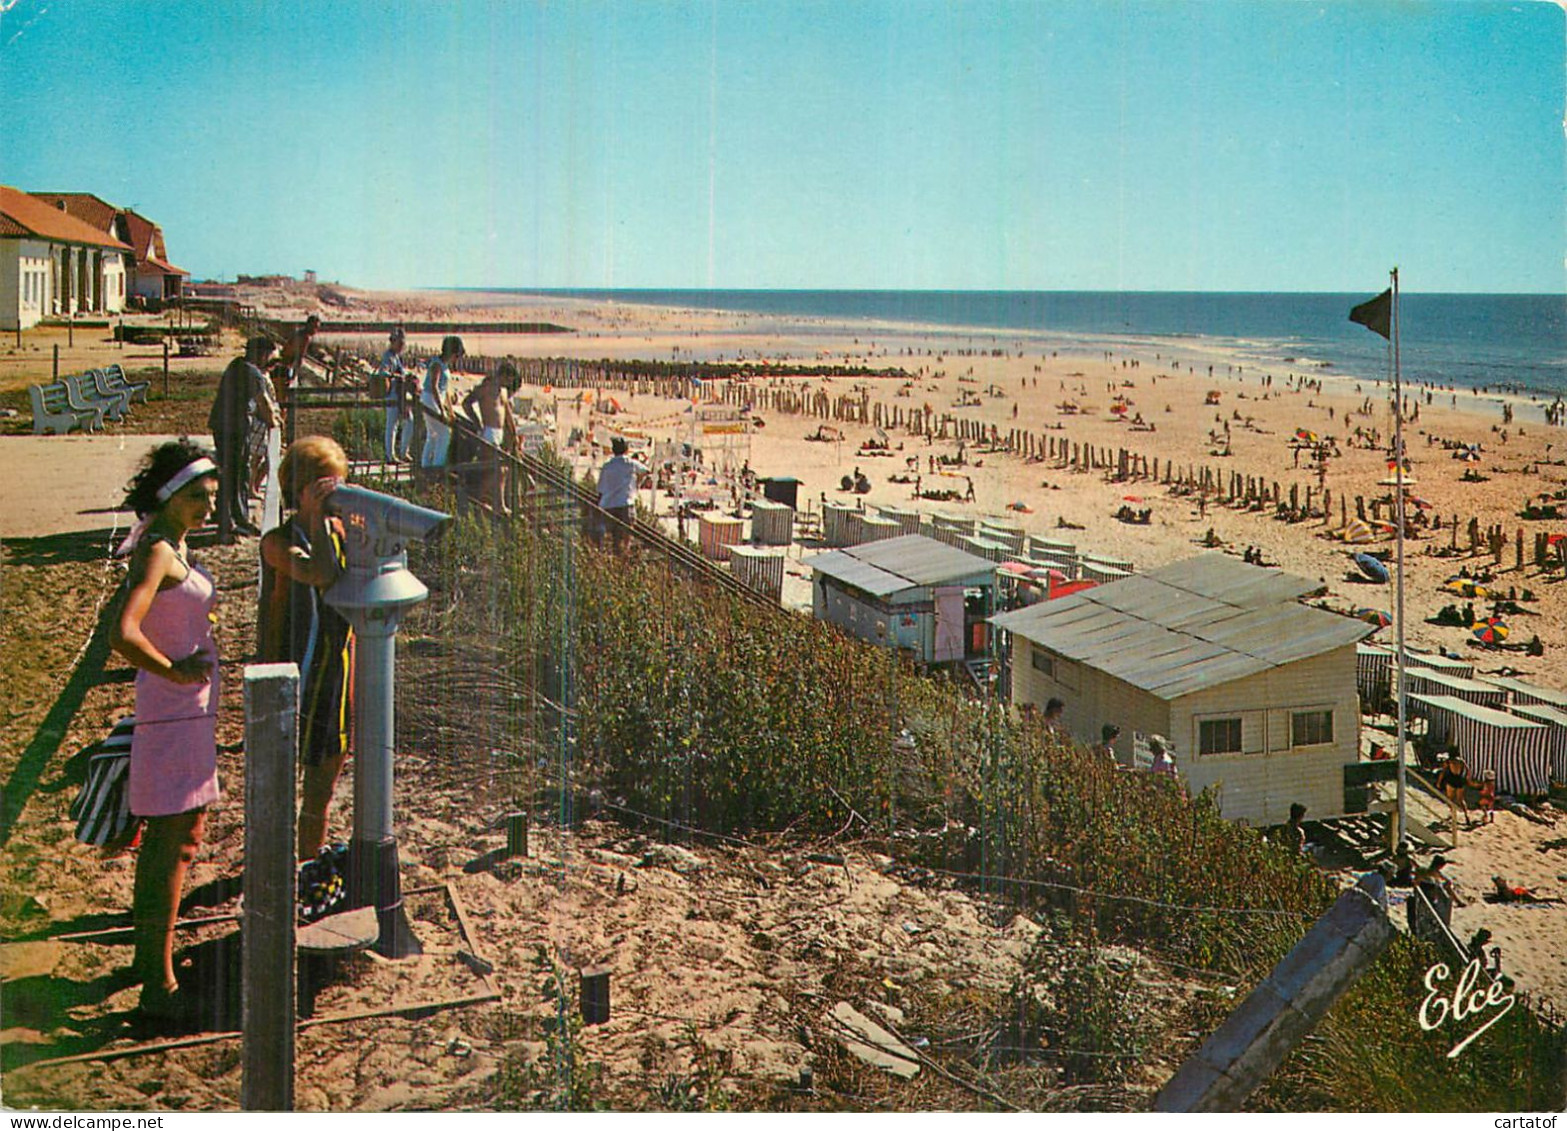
pixel 1311 728
pixel 1044 662
pixel 1219 736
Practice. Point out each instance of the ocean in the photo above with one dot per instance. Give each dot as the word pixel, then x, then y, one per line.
pixel 1514 343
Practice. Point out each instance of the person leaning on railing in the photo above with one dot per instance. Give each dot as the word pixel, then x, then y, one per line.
pixel 435 397
pixel 390 381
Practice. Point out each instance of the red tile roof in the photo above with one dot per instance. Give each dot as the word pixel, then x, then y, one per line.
pixel 147 239
pixel 84 206
pixel 26 215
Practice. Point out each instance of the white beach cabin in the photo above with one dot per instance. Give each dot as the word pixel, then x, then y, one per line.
pixel 1255 691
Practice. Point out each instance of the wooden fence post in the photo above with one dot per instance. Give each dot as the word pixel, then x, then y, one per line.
pixel 1255 1039
pixel 268 1011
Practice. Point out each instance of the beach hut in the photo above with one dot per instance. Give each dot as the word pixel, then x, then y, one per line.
pixel 717 533
pixel 1103 561
pixel 1531 694
pixel 908 520
pixel 951 529
pixel 1008 534
pixel 1517 748
pixel 761 568
pixel 1435 661
pixel 1555 719
pixel 836 528
pixel 1098 571
pixel 867 527
pixel 911 592
pixel 987 548
pixel 1373 674
pixel 1427 682
pixel 1255 690
pixel 772 524
pixel 1051 548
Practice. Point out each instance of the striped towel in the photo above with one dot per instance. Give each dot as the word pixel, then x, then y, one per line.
pixel 102 809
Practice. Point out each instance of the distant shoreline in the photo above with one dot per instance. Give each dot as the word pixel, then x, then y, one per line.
pixel 1514 344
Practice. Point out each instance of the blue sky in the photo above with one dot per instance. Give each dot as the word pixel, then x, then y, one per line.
pixel 1052 145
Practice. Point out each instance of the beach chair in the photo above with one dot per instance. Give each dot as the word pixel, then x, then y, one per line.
pixel 83 393
pixel 52 411
pixel 114 378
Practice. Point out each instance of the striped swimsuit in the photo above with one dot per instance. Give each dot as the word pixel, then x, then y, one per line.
pixel 320 641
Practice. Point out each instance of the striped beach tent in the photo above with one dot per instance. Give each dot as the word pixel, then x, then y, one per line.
pixel 1556 720
pixel 1425 681
pixel 1373 674
pixel 1518 749
pixel 1530 693
pixel 1451 665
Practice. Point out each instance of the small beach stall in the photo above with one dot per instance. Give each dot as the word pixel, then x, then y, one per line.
pixel 1373 675
pixel 772 523
pixel 921 596
pixel 1255 690
pixel 1517 748
pixel 1554 719
pixel 759 567
pixel 1375 663
pixel 1529 694
pixel 1428 682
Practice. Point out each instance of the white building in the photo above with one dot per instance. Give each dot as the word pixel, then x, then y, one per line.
pixel 53 264
pixel 1255 691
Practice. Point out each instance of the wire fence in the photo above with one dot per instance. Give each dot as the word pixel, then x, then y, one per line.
pixel 559 671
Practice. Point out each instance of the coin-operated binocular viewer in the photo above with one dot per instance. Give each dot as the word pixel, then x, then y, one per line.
pixel 372 595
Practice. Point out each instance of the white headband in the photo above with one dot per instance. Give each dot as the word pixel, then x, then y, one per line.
pixel 192 470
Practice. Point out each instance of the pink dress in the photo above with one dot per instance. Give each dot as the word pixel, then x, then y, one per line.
pixel 174 751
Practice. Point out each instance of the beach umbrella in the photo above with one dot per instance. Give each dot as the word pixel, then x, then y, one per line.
pixel 1374 616
pixel 1357 532
pixel 1306 435
pixel 1132 498
pixel 1466 588
pixel 1372 568
pixel 1490 631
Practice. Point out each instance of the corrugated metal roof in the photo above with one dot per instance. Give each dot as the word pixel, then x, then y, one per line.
pixel 1488 715
pixel 895 564
pixel 1178 629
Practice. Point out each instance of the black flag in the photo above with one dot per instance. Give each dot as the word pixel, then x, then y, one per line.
pixel 1376 314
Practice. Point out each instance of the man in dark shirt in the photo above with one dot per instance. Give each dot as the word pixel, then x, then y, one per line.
pixel 230 422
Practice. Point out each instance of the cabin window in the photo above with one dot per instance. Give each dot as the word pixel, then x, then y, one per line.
pixel 1219 736
pixel 1311 728
pixel 1044 662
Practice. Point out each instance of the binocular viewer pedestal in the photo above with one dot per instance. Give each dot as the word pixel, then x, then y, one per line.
pixel 372 594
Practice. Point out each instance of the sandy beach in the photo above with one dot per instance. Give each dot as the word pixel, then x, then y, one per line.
pixel 1021 381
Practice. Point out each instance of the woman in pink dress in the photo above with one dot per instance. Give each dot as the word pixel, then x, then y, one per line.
pixel 165 631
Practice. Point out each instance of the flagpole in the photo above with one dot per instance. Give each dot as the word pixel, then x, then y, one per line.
pixel 1398 479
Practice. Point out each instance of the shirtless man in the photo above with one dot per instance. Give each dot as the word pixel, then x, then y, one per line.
pixel 486 406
